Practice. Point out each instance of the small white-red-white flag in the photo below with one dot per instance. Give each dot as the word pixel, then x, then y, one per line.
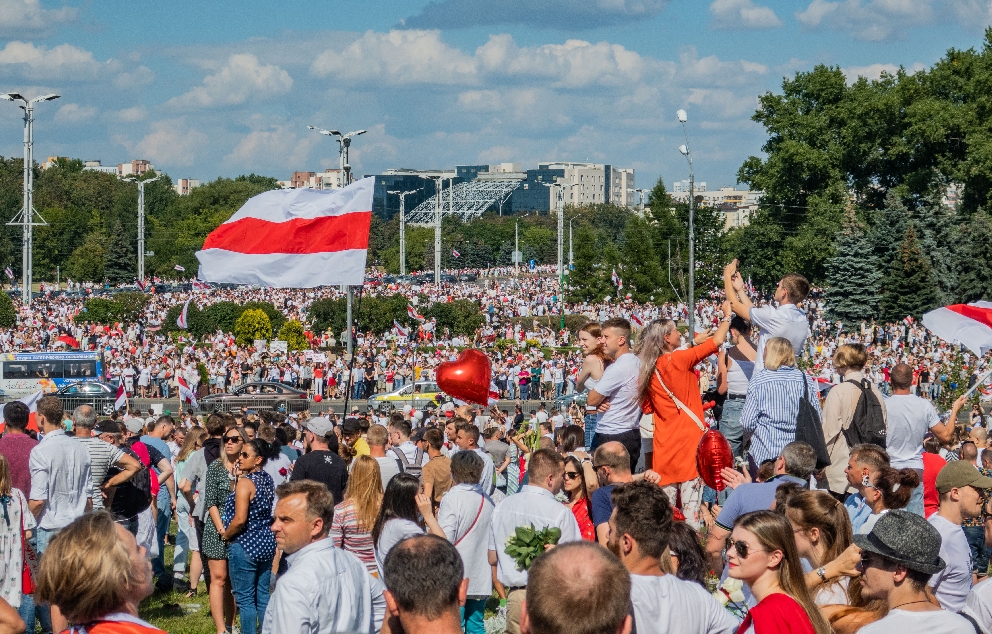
pixel 293 238
pixel 634 319
pixel 412 312
pixel 121 401
pixel 180 268
pixel 403 332
pixel 143 286
pixel 182 321
pixel 616 279
pixel 186 394
pixel 455 253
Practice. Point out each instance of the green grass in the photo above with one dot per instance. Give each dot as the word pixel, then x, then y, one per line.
pixel 168 610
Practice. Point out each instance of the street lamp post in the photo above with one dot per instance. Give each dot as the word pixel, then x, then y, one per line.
pixel 141 223
pixel 403 196
pixel 344 142
pixel 571 253
pixel 687 153
pixel 27 214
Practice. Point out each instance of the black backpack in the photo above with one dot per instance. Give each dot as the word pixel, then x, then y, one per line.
pixel 868 424
pixel 809 429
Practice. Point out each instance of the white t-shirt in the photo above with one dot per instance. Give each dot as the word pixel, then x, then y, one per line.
pixel 869 524
pixel 393 532
pixel 619 384
pixel 669 605
pixel 388 467
pixel 952 584
pixel 908 418
pixel 933 622
pixel 833 593
pixel 785 321
pixel 979 605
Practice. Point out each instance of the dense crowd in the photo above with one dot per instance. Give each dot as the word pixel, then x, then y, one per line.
pixel 835 497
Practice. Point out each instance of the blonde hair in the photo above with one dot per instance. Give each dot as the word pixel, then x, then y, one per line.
pixel 851 355
pixel 364 489
pixel 195 436
pixel 4 476
pixel 87 571
pixel 778 353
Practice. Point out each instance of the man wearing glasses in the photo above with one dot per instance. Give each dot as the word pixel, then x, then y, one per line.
pixel 900 555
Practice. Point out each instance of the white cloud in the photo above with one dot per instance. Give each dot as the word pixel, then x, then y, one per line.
pixel 130 115
pixel 74 113
pixel 974 15
pixel 873 72
pixel 240 80
pixel 397 57
pixel 742 15
pixel 171 143
pixel 271 144
pixel 140 76
pixel 19 18
pixel 712 71
pixel 62 61
pixel 872 20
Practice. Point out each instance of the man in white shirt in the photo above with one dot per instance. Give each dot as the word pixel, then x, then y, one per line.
pixel 616 395
pixel 909 418
pixel 785 321
pixel 535 505
pixel 467 439
pixel 958 485
pixel 399 436
pixel 898 556
pixel 326 589
pixel 389 466
pixel 639 532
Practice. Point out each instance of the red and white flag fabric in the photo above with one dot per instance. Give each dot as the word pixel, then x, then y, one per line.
pixel 199 285
pixel 179 268
pixel 293 238
pixel 185 394
pixel 121 401
pixel 32 403
pixel 616 279
pixel 143 286
pixel 455 253
pixel 403 332
pixel 69 341
pixel 412 312
pixel 182 321
pixel 637 321
pixel 967 324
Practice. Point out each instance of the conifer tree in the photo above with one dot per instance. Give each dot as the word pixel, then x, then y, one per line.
pixel 853 276
pixel 642 269
pixel 909 288
pixel 975 255
pixel 120 264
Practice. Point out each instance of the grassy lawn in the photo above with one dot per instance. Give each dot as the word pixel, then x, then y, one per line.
pixel 175 613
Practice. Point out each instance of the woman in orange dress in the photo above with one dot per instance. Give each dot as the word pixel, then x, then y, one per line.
pixel 677 426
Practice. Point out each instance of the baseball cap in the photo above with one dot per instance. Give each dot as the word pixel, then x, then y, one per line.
pixel 961 473
pixel 134 425
pixel 351 426
pixel 418 435
pixel 107 426
pixel 320 425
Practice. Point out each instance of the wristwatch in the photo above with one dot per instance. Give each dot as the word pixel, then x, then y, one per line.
pixel 822 572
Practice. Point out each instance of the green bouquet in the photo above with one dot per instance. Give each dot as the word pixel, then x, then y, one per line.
pixel 526 543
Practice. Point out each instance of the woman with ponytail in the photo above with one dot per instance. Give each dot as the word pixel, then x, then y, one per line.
pixel 891 489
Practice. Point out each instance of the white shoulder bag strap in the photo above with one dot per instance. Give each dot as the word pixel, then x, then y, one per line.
pixel 679 404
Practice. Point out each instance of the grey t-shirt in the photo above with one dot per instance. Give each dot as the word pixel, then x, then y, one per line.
pixel 195 472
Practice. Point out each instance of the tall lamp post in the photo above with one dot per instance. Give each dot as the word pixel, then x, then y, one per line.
pixel 687 153
pixel 403 196
pixel 26 217
pixel 141 223
pixel 344 142
pixel 571 253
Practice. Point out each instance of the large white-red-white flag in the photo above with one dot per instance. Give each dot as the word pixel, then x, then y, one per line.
pixel 967 324
pixel 186 394
pixel 121 401
pixel 412 312
pixel 183 320
pixel 32 403
pixel 293 238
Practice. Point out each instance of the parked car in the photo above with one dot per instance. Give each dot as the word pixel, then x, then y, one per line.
pixel 413 392
pixel 97 394
pixel 257 395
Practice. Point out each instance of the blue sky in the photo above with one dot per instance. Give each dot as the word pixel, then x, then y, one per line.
pixel 220 88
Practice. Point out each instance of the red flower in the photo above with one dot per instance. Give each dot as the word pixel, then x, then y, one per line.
pixel 283 471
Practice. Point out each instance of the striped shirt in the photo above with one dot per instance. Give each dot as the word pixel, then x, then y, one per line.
pixel 347 535
pixel 771 408
pixel 102 455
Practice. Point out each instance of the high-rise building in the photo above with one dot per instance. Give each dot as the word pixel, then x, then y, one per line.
pixel 137 167
pixel 183 186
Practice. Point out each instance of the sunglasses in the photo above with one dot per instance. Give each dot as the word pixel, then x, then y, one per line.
pixel 245 455
pixel 869 560
pixel 230 439
pixel 571 475
pixel 743 550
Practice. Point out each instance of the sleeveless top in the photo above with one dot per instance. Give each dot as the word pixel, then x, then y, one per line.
pixel 739 373
pixel 256 538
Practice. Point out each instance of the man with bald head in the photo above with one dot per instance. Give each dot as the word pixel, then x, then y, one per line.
pixel 566 581
pixel 611 463
pixel 102 456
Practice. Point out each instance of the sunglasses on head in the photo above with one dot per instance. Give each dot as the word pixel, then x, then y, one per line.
pixel 743 550
pixel 232 439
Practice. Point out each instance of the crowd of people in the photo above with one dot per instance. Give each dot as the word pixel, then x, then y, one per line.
pixel 852 503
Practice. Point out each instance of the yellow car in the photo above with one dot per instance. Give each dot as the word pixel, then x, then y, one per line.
pixel 418 391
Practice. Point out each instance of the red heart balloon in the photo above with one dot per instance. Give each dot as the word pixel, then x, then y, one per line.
pixel 713 454
pixel 466 378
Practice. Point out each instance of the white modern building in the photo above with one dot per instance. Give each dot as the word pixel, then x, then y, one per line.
pixel 95 166
pixel 595 183
pixel 183 186
pixel 737 205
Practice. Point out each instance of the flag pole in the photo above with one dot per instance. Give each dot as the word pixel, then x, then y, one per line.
pixel 351 362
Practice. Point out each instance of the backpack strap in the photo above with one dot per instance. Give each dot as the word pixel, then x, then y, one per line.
pixel 679 404
pixel 401 458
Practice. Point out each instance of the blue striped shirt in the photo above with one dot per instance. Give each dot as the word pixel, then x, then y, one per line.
pixel 771 409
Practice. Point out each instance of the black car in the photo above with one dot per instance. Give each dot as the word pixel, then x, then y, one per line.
pixel 258 395
pixel 97 394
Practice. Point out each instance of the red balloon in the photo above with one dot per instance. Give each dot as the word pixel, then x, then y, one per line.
pixel 713 454
pixel 317 398
pixel 466 378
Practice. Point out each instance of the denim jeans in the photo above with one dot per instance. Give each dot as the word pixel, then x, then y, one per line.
pixel 163 503
pixel 525 392
pixel 250 586
pixel 730 424
pixel 979 551
pixel 357 388
pixel 590 425
pixel 559 389
pixel 472 616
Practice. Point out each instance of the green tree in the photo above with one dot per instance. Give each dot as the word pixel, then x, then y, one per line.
pixel 87 262
pixel 589 279
pixel 293 334
pixel 975 276
pixel 642 270
pixel 253 324
pixel 909 288
pixel 853 277
pixel 460 317
pixel 8 314
pixel 119 263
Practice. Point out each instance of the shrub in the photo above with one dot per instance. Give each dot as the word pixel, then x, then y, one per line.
pixel 198 323
pixel 461 317
pixel 251 325
pixel 127 307
pixel 276 318
pixel 503 344
pixel 293 334
pixel 8 314
pixel 225 314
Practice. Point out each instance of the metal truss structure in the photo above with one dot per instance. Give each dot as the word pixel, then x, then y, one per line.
pixel 465 200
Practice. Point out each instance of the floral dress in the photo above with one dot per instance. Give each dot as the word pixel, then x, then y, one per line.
pixel 256 538
pixel 16 517
pixel 215 491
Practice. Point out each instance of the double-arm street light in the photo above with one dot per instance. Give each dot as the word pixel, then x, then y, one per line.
pixel 403 196
pixel 344 142
pixel 26 217
pixel 687 153
pixel 141 223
